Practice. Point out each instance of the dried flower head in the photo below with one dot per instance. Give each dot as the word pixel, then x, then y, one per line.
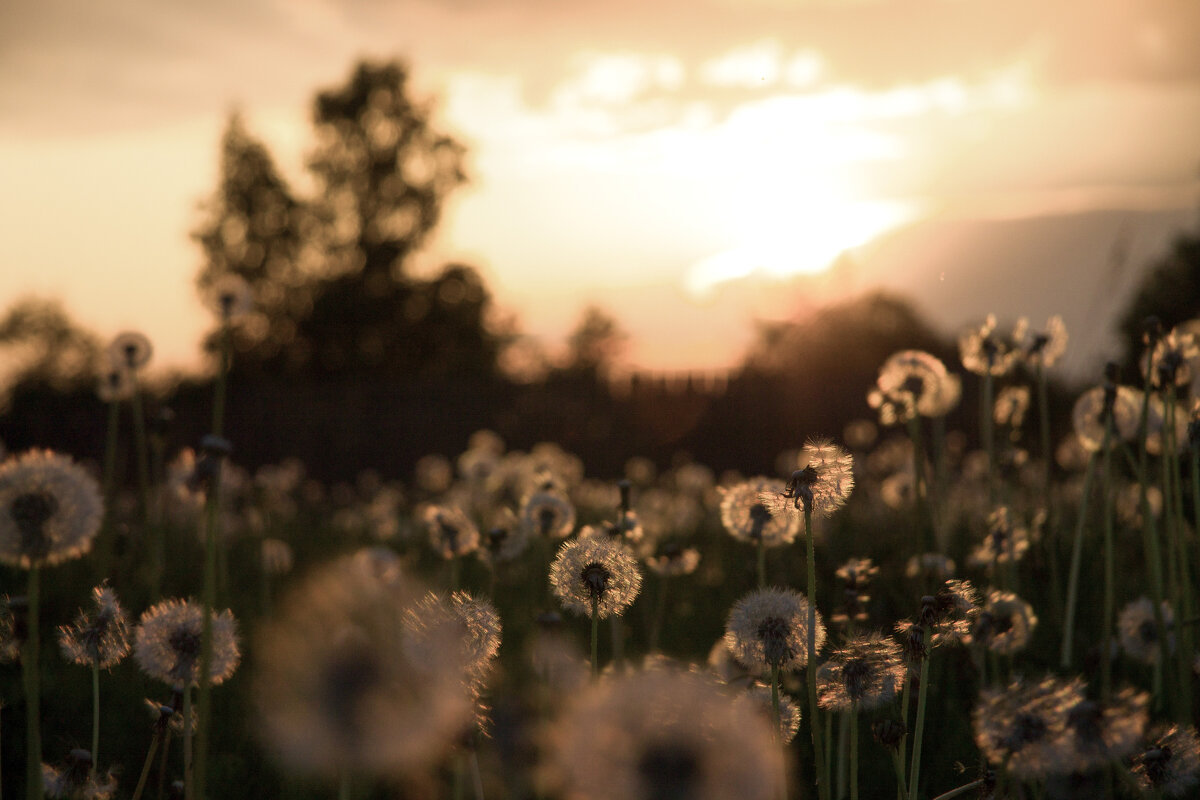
pixel 1137 630
pixel 863 673
pixel 1041 348
pixel 1170 362
pixel 1011 405
pixel 505 539
pixel 1022 725
pixel 546 513
pixel 99 638
pixel 343 682
pixel 451 531
pixel 167 643
pixel 983 351
pixel 1171 762
pixel 856 576
pixel 748 518
pixel 664 733
pixel 596 575
pixel 115 384
pixel 822 486
pixel 768 628
pixel 476 623
pixel 277 557
pixel 912 382
pixel 1005 624
pixel 50 509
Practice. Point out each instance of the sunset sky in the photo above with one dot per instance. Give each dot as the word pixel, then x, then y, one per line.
pixel 689 165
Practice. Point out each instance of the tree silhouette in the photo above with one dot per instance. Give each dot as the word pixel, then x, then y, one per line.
pixel 331 275
pixel 256 228
pixel 1170 291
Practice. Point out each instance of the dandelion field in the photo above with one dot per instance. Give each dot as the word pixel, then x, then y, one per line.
pixel 891 610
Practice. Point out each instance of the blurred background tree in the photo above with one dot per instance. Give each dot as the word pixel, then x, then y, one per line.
pixel 332 275
pixel 1170 291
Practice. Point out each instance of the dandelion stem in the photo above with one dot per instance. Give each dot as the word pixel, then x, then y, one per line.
pixel 1109 575
pixel 811 672
pixel 189 773
pixel 919 731
pixel 95 718
pixel 775 715
pixel 595 637
pixel 143 451
pixel 344 785
pixel 29 669
pixel 988 433
pixel 898 767
pixel 1077 559
pixel 853 751
pixel 141 784
pixel 660 612
pixel 960 790
pixel 476 777
pixel 762 563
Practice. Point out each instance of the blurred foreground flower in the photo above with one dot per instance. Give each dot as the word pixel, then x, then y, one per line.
pixel 344 683
pixel 664 733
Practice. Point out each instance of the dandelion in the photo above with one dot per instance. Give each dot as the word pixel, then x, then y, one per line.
pixel 99 639
pixel 1005 623
pixel 1169 362
pixel 596 576
pixel 789 711
pixel 343 683
pixel 1005 542
pixel 674 559
pixel 76 779
pixel 115 384
pixel 451 532
pixel 768 630
pixel 1011 405
pixel 1137 630
pixel 1098 734
pixel 50 509
pixel 911 383
pixel 747 518
pixel 856 576
pixel 664 733
pixel 276 555
pixel 823 485
pixel 1041 348
pixel 230 298
pixel 130 350
pixel 547 514
pixel 475 621
pixel 505 539
pixel 1022 725
pixel 984 352
pixel 167 643
pixel 1095 406
pixel 864 673
pixel 1171 762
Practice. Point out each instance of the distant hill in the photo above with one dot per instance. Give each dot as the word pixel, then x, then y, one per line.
pixel 1084 266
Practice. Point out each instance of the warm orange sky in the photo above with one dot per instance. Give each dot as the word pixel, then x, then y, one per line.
pixel 676 162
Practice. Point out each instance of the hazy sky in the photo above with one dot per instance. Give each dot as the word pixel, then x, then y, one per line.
pixel 678 162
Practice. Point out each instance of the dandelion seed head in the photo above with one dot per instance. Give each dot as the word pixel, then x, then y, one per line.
pixel 984 351
pixel 1170 764
pixel 50 509
pixel 100 637
pixel 546 513
pixel 661 734
pixel 451 531
pixel 168 638
pixel 1137 630
pixel 599 570
pixel 1045 347
pixel 1098 733
pixel 674 559
pixel 769 628
pixel 1005 623
pixel 351 674
pixel 911 383
pixel 863 673
pixel 130 350
pixel 505 539
pixel 746 513
pixel 1096 405
pixel 1023 725
pixel 789 711
pixel 74 779
pixel 231 298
